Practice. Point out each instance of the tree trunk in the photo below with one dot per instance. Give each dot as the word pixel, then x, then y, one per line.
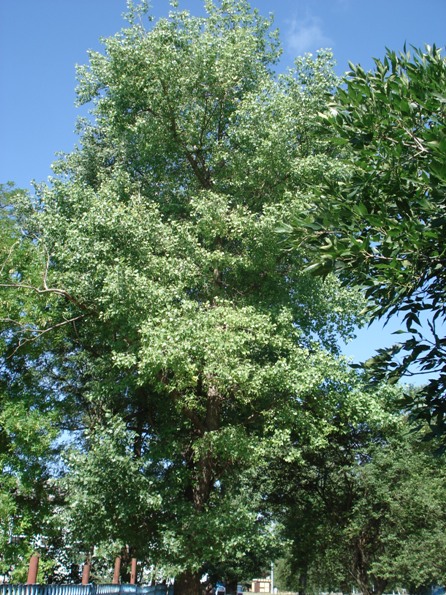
pixel 303 582
pixel 361 567
pixel 203 480
pixel 205 467
pixel 188 583
pixel 203 473
pixel 380 585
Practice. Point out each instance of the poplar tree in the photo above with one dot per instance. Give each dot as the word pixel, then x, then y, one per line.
pixel 189 341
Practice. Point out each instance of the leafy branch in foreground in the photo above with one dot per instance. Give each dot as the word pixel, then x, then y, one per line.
pixel 381 226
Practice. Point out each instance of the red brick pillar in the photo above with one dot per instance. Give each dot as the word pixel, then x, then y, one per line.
pixel 133 572
pixel 86 572
pixel 33 570
pixel 117 571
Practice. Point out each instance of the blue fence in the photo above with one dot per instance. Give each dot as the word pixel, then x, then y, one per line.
pixel 90 589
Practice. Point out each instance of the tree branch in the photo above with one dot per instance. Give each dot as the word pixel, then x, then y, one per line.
pixel 39 332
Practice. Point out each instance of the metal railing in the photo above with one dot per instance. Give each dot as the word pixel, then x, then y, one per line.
pixel 91 589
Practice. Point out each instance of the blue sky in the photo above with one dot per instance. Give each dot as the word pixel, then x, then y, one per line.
pixel 42 40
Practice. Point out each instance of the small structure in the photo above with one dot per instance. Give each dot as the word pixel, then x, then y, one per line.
pixel 261 585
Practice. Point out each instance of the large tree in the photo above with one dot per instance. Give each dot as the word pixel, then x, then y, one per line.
pixel 381 225
pixel 187 339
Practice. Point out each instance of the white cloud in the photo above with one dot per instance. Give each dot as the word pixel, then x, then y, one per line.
pixel 306 35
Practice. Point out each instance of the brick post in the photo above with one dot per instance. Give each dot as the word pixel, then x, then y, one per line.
pixel 33 570
pixel 133 572
pixel 117 571
pixel 86 572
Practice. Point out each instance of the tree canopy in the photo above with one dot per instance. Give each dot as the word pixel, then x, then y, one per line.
pixel 178 340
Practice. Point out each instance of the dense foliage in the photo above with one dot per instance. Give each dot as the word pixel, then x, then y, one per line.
pixel 171 382
pixel 28 418
pixel 366 512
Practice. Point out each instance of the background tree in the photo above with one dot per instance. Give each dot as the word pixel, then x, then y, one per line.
pixel 398 522
pixel 365 511
pixel 187 338
pixel 28 418
pixel 381 225
pixel 315 492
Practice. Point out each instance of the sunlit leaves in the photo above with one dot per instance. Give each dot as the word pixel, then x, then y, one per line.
pixel 200 340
